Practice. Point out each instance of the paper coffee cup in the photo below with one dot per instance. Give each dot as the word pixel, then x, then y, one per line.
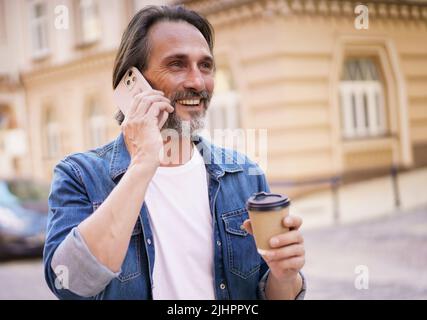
pixel 267 211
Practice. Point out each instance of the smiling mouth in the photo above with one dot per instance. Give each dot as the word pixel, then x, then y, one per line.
pixel 190 102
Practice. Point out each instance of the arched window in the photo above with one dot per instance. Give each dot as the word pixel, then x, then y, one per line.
pixel 52 134
pixel 362 99
pixel 96 125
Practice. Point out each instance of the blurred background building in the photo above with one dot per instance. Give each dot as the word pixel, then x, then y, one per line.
pixel 341 104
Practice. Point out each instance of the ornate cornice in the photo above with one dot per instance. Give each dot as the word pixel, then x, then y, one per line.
pixel 222 12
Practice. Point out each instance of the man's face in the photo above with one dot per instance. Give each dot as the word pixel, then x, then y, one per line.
pixel 181 65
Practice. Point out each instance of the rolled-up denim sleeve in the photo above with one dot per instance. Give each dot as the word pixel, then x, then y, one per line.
pixel 263 282
pixel 86 275
pixel 71 271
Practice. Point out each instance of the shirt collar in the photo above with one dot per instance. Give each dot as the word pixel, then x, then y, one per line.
pixel 217 160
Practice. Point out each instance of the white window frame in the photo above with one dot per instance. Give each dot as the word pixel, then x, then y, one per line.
pixel 89 22
pixel 137 5
pixel 39 46
pixel 97 130
pixel 4 121
pixel 2 142
pixel 223 120
pixel 223 111
pixel 361 100
pixel 53 135
pixel 95 124
pixel 3 28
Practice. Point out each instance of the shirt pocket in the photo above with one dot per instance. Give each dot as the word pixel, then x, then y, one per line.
pixel 243 258
pixel 131 266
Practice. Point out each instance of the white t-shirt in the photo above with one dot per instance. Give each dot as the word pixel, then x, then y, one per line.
pixel 178 202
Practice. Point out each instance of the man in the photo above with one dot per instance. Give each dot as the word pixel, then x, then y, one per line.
pixel 133 220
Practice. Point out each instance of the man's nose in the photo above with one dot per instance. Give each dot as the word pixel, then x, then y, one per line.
pixel 194 80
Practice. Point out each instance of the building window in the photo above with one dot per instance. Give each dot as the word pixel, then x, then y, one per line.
pixel 223 115
pixel 3 32
pixel 52 134
pixel 6 118
pixel 139 4
pixel 88 22
pixel 96 125
pixel 362 99
pixel 39 26
pixel 224 110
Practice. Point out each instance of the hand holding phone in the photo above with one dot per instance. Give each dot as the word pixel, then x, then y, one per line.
pixel 146 111
pixel 132 84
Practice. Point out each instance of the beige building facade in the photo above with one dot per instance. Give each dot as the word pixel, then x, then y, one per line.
pixel 337 100
pixel 55 79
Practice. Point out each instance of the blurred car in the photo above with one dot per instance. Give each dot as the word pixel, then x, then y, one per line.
pixel 23 215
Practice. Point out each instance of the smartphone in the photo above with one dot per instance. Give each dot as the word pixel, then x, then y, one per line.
pixel 132 83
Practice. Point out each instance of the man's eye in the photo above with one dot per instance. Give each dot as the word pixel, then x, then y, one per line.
pixel 207 65
pixel 178 64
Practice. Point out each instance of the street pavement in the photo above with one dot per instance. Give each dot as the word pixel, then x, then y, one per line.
pixel 390 254
pixel 23 280
pixel 390 251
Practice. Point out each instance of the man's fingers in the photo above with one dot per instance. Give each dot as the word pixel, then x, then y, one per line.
pixel 158 107
pixel 287 252
pixel 134 106
pixel 295 263
pixel 151 97
pixel 150 92
pixel 142 101
pixel 285 239
pixel 163 118
pixel 292 222
pixel 146 102
pixel 248 226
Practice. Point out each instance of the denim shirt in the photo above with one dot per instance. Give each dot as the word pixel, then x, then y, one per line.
pixel 82 181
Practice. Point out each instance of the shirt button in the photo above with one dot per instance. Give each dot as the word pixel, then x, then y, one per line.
pixel 149 241
pixel 222 286
pixel 218 243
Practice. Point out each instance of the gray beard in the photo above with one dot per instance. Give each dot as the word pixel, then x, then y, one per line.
pixel 185 127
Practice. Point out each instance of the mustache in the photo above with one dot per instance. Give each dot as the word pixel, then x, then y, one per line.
pixel 189 94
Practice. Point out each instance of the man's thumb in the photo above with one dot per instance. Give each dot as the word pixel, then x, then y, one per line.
pixel 248 226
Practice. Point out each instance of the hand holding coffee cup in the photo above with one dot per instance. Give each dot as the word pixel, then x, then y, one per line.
pixel 276 234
